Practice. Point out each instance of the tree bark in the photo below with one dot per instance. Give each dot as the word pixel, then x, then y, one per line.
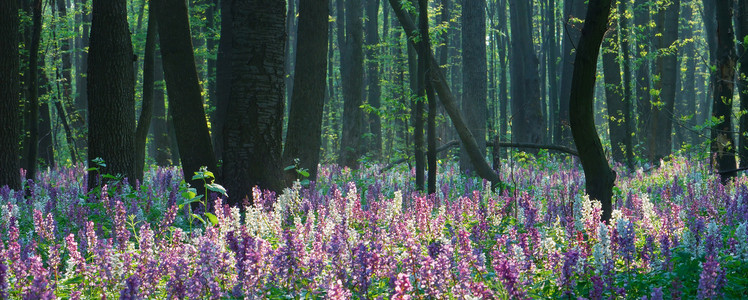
pixel 32 88
pixel 372 66
pixel 722 142
pixel 474 77
pixel 223 78
pixel 660 144
pixel 425 45
pixel 111 111
pixel 160 148
pixel 10 129
pixel 183 89
pixel 252 134
pixel 573 10
pixel 599 177
pixel 352 55
pixel 304 134
pixel 146 110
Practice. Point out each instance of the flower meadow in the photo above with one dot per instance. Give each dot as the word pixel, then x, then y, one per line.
pixel 676 233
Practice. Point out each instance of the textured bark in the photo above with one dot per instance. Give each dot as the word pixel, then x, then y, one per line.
pixel 223 78
pixel 111 111
pixel 474 76
pixel 660 144
pixel 742 31
pixel 597 173
pixel 372 75
pixel 573 9
pixel 614 91
pixel 160 148
pixel 183 89
pixel 445 96
pixel 252 134
pixel 10 129
pixel 304 134
pixel 722 142
pixel 528 124
pixel 32 94
pixel 352 55
pixel 146 110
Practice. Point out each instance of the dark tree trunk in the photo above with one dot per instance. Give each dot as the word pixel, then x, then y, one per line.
pixel 146 111
pixel 46 148
pixel 372 66
pixel 474 76
pixel 643 98
pixel 573 10
pixel 223 78
pixel 252 134
pixel 32 87
pixel 304 134
pixel 81 100
pixel 660 144
pixel 10 121
pixel 183 89
pixel 352 55
pixel 742 31
pixel 722 142
pixel 65 87
pixel 503 82
pixel 597 173
pixel 211 43
pixel 111 92
pixel 614 91
pixel 528 125
pixel 160 148
pixel 553 78
pixel 425 47
pixel 627 96
pixel 439 82
pixel 290 53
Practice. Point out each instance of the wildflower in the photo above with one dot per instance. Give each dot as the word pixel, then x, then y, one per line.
pixel 130 292
pixel 402 287
pixel 337 291
pixel 711 280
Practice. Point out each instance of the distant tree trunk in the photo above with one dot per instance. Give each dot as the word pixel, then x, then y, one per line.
pixel 223 78
pixel 10 121
pixel 417 110
pixel 598 175
pixel 660 144
pixel 474 76
pixel 161 149
pixel 742 27
pixel 46 157
pixel 146 110
pixel 552 59
pixel 65 87
pixel 528 125
pixel 627 97
pixel 503 82
pixel 372 66
pixel 252 136
pixel 722 142
pixel 304 134
pixel 111 92
pixel 573 9
pixel 643 97
pixel 81 101
pixel 352 56
pixel 425 47
pixel 614 90
pixel 32 87
pixel 183 89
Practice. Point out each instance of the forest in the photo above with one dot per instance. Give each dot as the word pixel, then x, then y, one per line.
pixel 373 149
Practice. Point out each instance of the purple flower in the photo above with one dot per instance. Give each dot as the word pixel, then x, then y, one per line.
pixel 506 271
pixel 711 280
pixel 568 271
pixel 130 292
pixel 402 287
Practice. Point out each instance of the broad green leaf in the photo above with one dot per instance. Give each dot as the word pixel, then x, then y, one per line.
pixel 217 188
pixel 212 218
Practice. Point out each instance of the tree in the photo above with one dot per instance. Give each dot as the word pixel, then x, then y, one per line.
pixel 352 73
pixel 722 143
pixel 183 89
pixel 223 78
pixel 111 91
pixel 304 135
pixel 160 148
pixel 474 76
pixel 423 62
pixel 146 110
pixel 614 90
pixel 598 175
pixel 742 31
pixel 573 12
pixel 372 71
pixel 32 94
pixel 252 133
pixel 528 125
pixel 666 69
pixel 10 121
pixel 642 63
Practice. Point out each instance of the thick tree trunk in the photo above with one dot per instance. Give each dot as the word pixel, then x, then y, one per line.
pixel 528 124
pixel 614 91
pixel 474 77
pixel 146 111
pixel 10 129
pixel 32 88
pixel 160 148
pixel 573 10
pixel 599 177
pixel 223 78
pixel 742 26
pixel 372 77
pixel 722 142
pixel 304 134
pixel 352 55
pixel 667 71
pixel 252 134
pixel 439 82
pixel 183 89
pixel 111 92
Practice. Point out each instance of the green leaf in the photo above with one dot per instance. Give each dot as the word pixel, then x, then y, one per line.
pixel 109 176
pixel 305 182
pixel 217 188
pixel 92 169
pixel 303 172
pixel 289 168
pixel 199 218
pixel 189 194
pixel 212 218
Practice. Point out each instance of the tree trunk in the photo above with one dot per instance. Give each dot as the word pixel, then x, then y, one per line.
pixel 160 148
pixel 32 87
pixel 528 125
pixel 252 136
pixel 598 174
pixel 111 111
pixel 643 98
pixel 352 76
pixel 503 82
pixel 627 97
pixel 614 90
pixel 573 10
pixel 81 100
pixel 146 111
pixel 667 71
pixel 553 54
pixel 223 78
pixel 183 89
pixel 10 129
pixel 304 134
pixel 425 47
pixel 722 142
pixel 372 66
pixel 474 77
pixel 742 31
pixel 439 82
